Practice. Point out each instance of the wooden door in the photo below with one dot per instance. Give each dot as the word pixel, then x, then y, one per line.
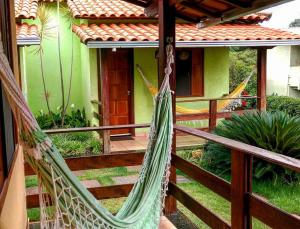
pixel 119 65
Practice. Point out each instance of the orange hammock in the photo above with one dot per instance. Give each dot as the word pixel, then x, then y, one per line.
pixel 221 106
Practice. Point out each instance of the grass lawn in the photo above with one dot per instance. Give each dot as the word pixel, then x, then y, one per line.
pixel 283 196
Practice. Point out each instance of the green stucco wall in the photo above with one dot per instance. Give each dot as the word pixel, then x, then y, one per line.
pixel 85 75
pixel 216 82
pixel 89 75
pixel 31 71
pixel 143 101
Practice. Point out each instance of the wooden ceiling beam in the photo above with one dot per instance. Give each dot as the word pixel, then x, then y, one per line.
pixel 238 4
pixel 138 3
pixel 256 6
pixel 199 8
pixel 186 17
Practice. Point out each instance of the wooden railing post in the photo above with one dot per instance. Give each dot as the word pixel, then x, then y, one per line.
pixel 261 78
pixel 166 21
pixel 241 184
pixel 212 114
pixel 104 85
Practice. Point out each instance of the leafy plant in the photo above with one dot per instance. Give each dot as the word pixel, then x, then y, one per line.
pixel 277 132
pixel 77 144
pixel 76 118
pixel 284 103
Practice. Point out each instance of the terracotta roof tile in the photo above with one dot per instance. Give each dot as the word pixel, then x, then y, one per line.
pixel 122 9
pixel 254 18
pixel 104 9
pixel 26 8
pixel 184 32
pixel 25 31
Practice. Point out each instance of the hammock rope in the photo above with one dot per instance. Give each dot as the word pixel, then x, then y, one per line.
pixel 64 201
pixel 222 105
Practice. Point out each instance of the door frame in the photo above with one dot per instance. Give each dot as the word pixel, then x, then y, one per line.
pixel 103 92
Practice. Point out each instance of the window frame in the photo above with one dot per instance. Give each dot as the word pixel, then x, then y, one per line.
pixel 8 129
pixel 196 77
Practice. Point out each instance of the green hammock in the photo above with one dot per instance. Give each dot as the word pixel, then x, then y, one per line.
pixel 73 206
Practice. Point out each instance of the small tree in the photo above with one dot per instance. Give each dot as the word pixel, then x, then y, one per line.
pixel 45 32
pixel 242 63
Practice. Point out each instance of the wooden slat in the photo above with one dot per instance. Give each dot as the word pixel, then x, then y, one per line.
pixel 271 215
pixel 222 98
pixel 279 159
pixel 262 78
pixel 105 192
pixel 227 114
pixel 166 22
pixel 198 209
pixel 96 128
pixel 99 162
pixel 104 95
pixel 206 178
pixel 241 183
pixel 212 114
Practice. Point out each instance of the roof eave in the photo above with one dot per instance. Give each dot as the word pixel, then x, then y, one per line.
pixel 194 44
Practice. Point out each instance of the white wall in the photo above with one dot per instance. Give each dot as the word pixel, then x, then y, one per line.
pixel 278 67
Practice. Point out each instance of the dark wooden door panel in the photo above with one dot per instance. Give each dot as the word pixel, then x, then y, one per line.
pixel 119 83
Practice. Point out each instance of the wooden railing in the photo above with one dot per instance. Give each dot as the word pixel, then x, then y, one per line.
pixel 213 113
pixel 244 204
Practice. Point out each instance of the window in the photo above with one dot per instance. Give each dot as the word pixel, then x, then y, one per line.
pixel 189 72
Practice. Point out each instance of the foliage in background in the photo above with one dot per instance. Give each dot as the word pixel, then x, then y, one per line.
pixel 284 103
pixel 77 144
pixel 47 32
pixel 242 61
pixel 76 118
pixel 277 132
pixel 193 155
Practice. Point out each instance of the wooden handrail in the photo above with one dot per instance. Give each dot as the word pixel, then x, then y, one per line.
pixel 210 99
pixel 96 128
pixel 209 180
pixel 99 162
pixel 103 192
pixel 275 158
pixel 201 116
pixel 203 213
pixel 270 214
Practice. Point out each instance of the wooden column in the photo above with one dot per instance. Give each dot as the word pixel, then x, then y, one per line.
pixel 104 101
pixel 261 78
pixel 213 106
pixel 166 12
pixel 241 184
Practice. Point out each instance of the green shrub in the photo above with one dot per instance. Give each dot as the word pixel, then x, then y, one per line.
pixel 76 118
pixel 242 62
pixel 284 103
pixel 277 132
pixel 77 144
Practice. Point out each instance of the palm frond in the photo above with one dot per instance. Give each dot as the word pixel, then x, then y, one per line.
pixel 276 131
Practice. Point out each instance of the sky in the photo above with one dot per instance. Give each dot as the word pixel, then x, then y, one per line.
pixel 283 15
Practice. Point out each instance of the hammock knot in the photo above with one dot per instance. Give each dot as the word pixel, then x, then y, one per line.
pixel 34 151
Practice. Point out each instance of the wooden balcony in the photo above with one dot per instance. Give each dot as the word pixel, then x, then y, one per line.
pixel 244 203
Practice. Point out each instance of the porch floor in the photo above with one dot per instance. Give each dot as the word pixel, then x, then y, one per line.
pixel 139 143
